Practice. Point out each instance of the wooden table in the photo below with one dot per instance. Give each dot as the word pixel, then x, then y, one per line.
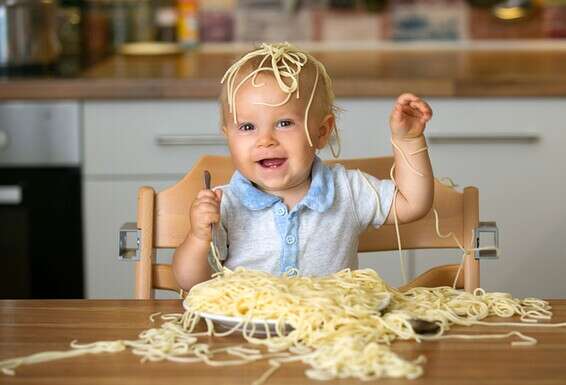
pixel 28 327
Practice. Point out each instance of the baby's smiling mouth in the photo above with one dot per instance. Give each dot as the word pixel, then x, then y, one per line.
pixel 271 162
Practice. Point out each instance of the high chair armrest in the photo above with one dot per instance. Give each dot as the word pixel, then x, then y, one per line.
pixel 487 241
pixel 129 242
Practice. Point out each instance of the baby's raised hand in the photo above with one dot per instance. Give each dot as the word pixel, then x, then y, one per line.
pixel 205 211
pixel 409 117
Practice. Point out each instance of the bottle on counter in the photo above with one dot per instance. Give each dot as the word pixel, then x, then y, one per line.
pixel 554 18
pixel 187 22
pixel 166 21
pixel 216 20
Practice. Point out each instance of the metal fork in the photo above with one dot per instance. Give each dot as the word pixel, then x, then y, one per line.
pixel 419 326
pixel 213 246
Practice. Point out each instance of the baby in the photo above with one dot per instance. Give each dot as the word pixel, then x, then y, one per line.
pixel 285 211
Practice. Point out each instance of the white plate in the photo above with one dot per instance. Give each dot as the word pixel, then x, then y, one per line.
pixel 229 322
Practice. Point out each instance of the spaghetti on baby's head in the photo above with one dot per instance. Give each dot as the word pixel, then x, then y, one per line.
pixel 300 80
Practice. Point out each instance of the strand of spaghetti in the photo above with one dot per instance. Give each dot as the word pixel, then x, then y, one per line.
pixel 170 316
pixel 447 181
pixel 255 75
pixel 7 366
pixel 309 106
pixel 335 152
pixel 526 340
pixel 274 365
pixel 376 194
pixel 215 255
pixel 397 230
pixel 233 96
pixel 411 167
pixel 464 250
pixel 394 203
pixel 520 324
pixel 152 316
pixel 444 236
pixel 460 268
pixel 276 53
pixel 419 151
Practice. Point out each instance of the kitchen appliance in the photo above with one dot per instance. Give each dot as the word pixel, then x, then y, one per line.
pixel 41 247
pixel 28 32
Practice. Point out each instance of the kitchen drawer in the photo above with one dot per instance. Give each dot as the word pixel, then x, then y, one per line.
pixel 364 122
pixel 493 120
pixel 149 137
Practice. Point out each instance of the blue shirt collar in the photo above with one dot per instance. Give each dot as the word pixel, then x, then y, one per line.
pixel 319 197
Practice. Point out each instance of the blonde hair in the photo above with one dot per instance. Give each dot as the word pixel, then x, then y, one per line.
pixel 286 63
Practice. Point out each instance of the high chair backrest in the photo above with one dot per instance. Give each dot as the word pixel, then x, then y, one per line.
pixel 163 222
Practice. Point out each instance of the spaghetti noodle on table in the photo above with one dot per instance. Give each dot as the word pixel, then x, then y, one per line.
pixel 336 327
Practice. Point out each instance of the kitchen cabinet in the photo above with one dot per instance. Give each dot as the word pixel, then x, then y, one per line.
pixel 128 145
pixel 510 148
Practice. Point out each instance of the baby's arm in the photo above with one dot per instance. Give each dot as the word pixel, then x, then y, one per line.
pixel 416 192
pixel 190 260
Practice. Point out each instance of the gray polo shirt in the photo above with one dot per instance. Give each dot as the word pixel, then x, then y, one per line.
pixel 319 236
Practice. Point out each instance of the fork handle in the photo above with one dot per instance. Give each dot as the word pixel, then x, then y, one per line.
pixel 207 179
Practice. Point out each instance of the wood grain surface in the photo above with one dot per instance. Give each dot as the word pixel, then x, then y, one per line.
pixel 358 73
pixel 30 326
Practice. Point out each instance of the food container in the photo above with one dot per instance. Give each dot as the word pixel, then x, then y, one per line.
pixel 28 32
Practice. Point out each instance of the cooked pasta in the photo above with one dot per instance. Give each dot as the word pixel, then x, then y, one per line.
pixel 335 321
pixel 285 62
pixel 334 324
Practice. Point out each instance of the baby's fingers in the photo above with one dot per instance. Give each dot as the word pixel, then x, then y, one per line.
pixel 206 213
pixel 407 98
pixel 209 218
pixel 207 199
pixel 206 194
pixel 423 107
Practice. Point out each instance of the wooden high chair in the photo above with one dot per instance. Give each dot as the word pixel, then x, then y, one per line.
pixel 163 222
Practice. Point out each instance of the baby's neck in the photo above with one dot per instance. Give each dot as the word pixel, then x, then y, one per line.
pixel 293 195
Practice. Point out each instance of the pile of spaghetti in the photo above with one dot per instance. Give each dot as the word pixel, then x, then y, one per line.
pixel 330 323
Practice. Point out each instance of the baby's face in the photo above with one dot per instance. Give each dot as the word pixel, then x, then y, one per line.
pixel 269 144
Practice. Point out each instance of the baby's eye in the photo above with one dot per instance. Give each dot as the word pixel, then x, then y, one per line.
pixel 284 123
pixel 246 127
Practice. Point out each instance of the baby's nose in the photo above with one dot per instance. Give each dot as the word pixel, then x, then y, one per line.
pixel 266 139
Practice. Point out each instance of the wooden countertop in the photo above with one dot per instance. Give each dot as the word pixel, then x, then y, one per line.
pixel 356 73
pixel 30 326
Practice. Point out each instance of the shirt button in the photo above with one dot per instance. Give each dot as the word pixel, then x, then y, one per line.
pixel 291 271
pixel 290 239
pixel 280 211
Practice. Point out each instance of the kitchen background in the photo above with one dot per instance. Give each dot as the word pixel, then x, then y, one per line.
pixel 100 97
pixel 93 29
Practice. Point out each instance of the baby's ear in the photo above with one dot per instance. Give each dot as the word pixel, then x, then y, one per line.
pixel 225 130
pixel 325 130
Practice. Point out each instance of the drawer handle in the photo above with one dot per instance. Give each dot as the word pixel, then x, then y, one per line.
pixel 487 137
pixel 190 140
pixel 3 140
